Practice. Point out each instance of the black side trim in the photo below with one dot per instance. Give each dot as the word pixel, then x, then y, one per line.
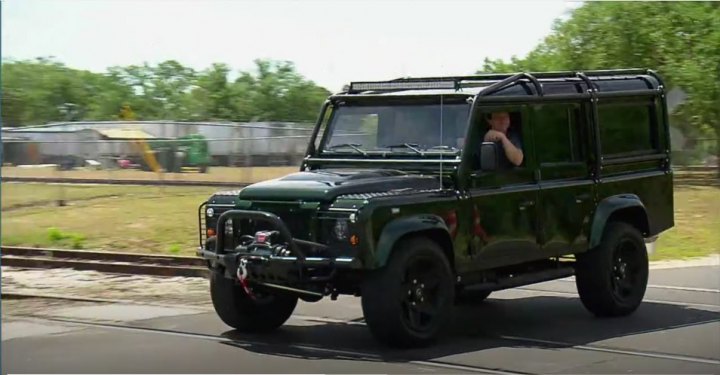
pixel 633 159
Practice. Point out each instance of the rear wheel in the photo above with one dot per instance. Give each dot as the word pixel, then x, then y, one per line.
pixel 409 301
pixel 236 309
pixel 612 278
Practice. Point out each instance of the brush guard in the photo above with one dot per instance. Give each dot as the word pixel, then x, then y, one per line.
pixel 281 264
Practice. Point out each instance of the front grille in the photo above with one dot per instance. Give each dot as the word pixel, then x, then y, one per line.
pixel 299 222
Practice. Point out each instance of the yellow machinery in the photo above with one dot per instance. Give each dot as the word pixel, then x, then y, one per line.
pixel 147 154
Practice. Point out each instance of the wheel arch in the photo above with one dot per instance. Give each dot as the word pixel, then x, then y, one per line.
pixel 430 226
pixel 626 208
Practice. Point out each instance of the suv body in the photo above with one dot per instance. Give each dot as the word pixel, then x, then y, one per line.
pixel 401 202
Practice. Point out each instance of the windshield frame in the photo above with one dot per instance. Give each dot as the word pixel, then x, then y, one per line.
pixel 401 151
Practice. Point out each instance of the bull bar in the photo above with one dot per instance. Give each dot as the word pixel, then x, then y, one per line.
pixel 264 262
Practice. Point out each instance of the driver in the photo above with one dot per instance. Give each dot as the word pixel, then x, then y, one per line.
pixel 499 123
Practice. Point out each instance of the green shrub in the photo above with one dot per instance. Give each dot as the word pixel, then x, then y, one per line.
pixel 175 248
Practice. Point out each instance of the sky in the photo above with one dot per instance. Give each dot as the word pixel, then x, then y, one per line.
pixel 330 42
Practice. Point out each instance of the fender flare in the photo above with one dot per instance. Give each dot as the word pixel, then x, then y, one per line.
pixel 400 227
pixel 606 208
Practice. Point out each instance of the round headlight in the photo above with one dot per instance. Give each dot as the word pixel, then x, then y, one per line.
pixel 210 212
pixel 341 229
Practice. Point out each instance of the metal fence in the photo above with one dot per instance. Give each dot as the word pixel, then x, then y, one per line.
pixel 174 155
pixel 240 160
pixel 151 150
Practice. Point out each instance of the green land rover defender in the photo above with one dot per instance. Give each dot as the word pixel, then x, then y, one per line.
pixel 419 193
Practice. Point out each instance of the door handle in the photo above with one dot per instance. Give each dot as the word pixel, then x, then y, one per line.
pixel 582 198
pixel 526 204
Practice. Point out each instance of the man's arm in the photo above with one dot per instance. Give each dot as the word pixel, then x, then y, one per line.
pixel 513 153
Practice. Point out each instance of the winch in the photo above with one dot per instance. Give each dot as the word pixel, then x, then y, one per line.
pixel 266 242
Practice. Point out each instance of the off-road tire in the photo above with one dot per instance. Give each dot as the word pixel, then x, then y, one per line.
pixel 611 279
pixel 419 272
pixel 236 309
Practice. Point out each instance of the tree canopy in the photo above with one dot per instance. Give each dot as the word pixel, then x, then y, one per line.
pixel 680 40
pixel 44 90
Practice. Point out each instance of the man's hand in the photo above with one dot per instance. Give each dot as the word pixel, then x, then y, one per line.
pixel 494 136
pixel 514 154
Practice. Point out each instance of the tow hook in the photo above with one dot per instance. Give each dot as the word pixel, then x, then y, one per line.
pixel 242 275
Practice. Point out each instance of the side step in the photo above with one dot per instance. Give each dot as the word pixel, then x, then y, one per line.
pixel 513 281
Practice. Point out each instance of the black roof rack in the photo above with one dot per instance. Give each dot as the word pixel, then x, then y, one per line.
pixel 495 81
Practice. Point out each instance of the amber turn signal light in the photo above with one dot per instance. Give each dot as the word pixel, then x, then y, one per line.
pixel 210 232
pixel 354 240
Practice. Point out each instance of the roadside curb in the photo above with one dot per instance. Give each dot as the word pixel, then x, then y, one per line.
pixel 711 260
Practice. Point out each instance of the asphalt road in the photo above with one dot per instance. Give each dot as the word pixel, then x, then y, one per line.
pixel 541 328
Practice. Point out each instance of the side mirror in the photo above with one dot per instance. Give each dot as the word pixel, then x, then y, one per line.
pixel 488 156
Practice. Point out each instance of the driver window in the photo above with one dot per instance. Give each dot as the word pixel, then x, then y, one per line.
pixel 496 125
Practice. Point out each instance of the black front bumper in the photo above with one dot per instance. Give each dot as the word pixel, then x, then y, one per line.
pixel 295 272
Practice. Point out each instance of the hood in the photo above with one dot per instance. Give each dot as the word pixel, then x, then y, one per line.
pixel 326 185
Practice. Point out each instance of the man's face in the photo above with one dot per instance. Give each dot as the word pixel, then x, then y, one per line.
pixel 499 121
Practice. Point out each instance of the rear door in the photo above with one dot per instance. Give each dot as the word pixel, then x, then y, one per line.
pixel 560 133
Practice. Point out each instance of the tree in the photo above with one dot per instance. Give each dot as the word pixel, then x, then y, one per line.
pixel 44 90
pixel 681 40
pixel 278 93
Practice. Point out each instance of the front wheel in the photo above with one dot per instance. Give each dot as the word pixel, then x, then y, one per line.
pixel 612 278
pixel 408 302
pixel 236 309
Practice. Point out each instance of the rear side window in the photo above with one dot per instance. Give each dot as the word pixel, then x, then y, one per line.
pixel 626 128
pixel 557 136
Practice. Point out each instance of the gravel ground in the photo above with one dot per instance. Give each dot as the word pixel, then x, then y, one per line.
pixel 90 284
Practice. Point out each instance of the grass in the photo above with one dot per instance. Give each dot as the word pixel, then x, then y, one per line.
pixel 134 219
pixel 23 195
pixel 697 224
pixel 164 219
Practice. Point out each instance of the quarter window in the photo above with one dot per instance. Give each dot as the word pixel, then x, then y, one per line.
pixel 625 128
pixel 557 134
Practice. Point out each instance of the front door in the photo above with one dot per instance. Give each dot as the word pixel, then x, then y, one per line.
pixel 505 202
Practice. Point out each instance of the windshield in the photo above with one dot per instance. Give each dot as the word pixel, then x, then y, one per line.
pixel 397 128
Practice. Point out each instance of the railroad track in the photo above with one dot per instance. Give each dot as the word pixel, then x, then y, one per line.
pixel 102 261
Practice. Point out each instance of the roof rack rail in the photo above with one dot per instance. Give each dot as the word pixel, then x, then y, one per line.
pixel 497 81
pixel 495 87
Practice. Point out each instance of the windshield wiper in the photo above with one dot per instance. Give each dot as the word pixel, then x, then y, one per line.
pixel 411 146
pixel 354 146
pixel 443 147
